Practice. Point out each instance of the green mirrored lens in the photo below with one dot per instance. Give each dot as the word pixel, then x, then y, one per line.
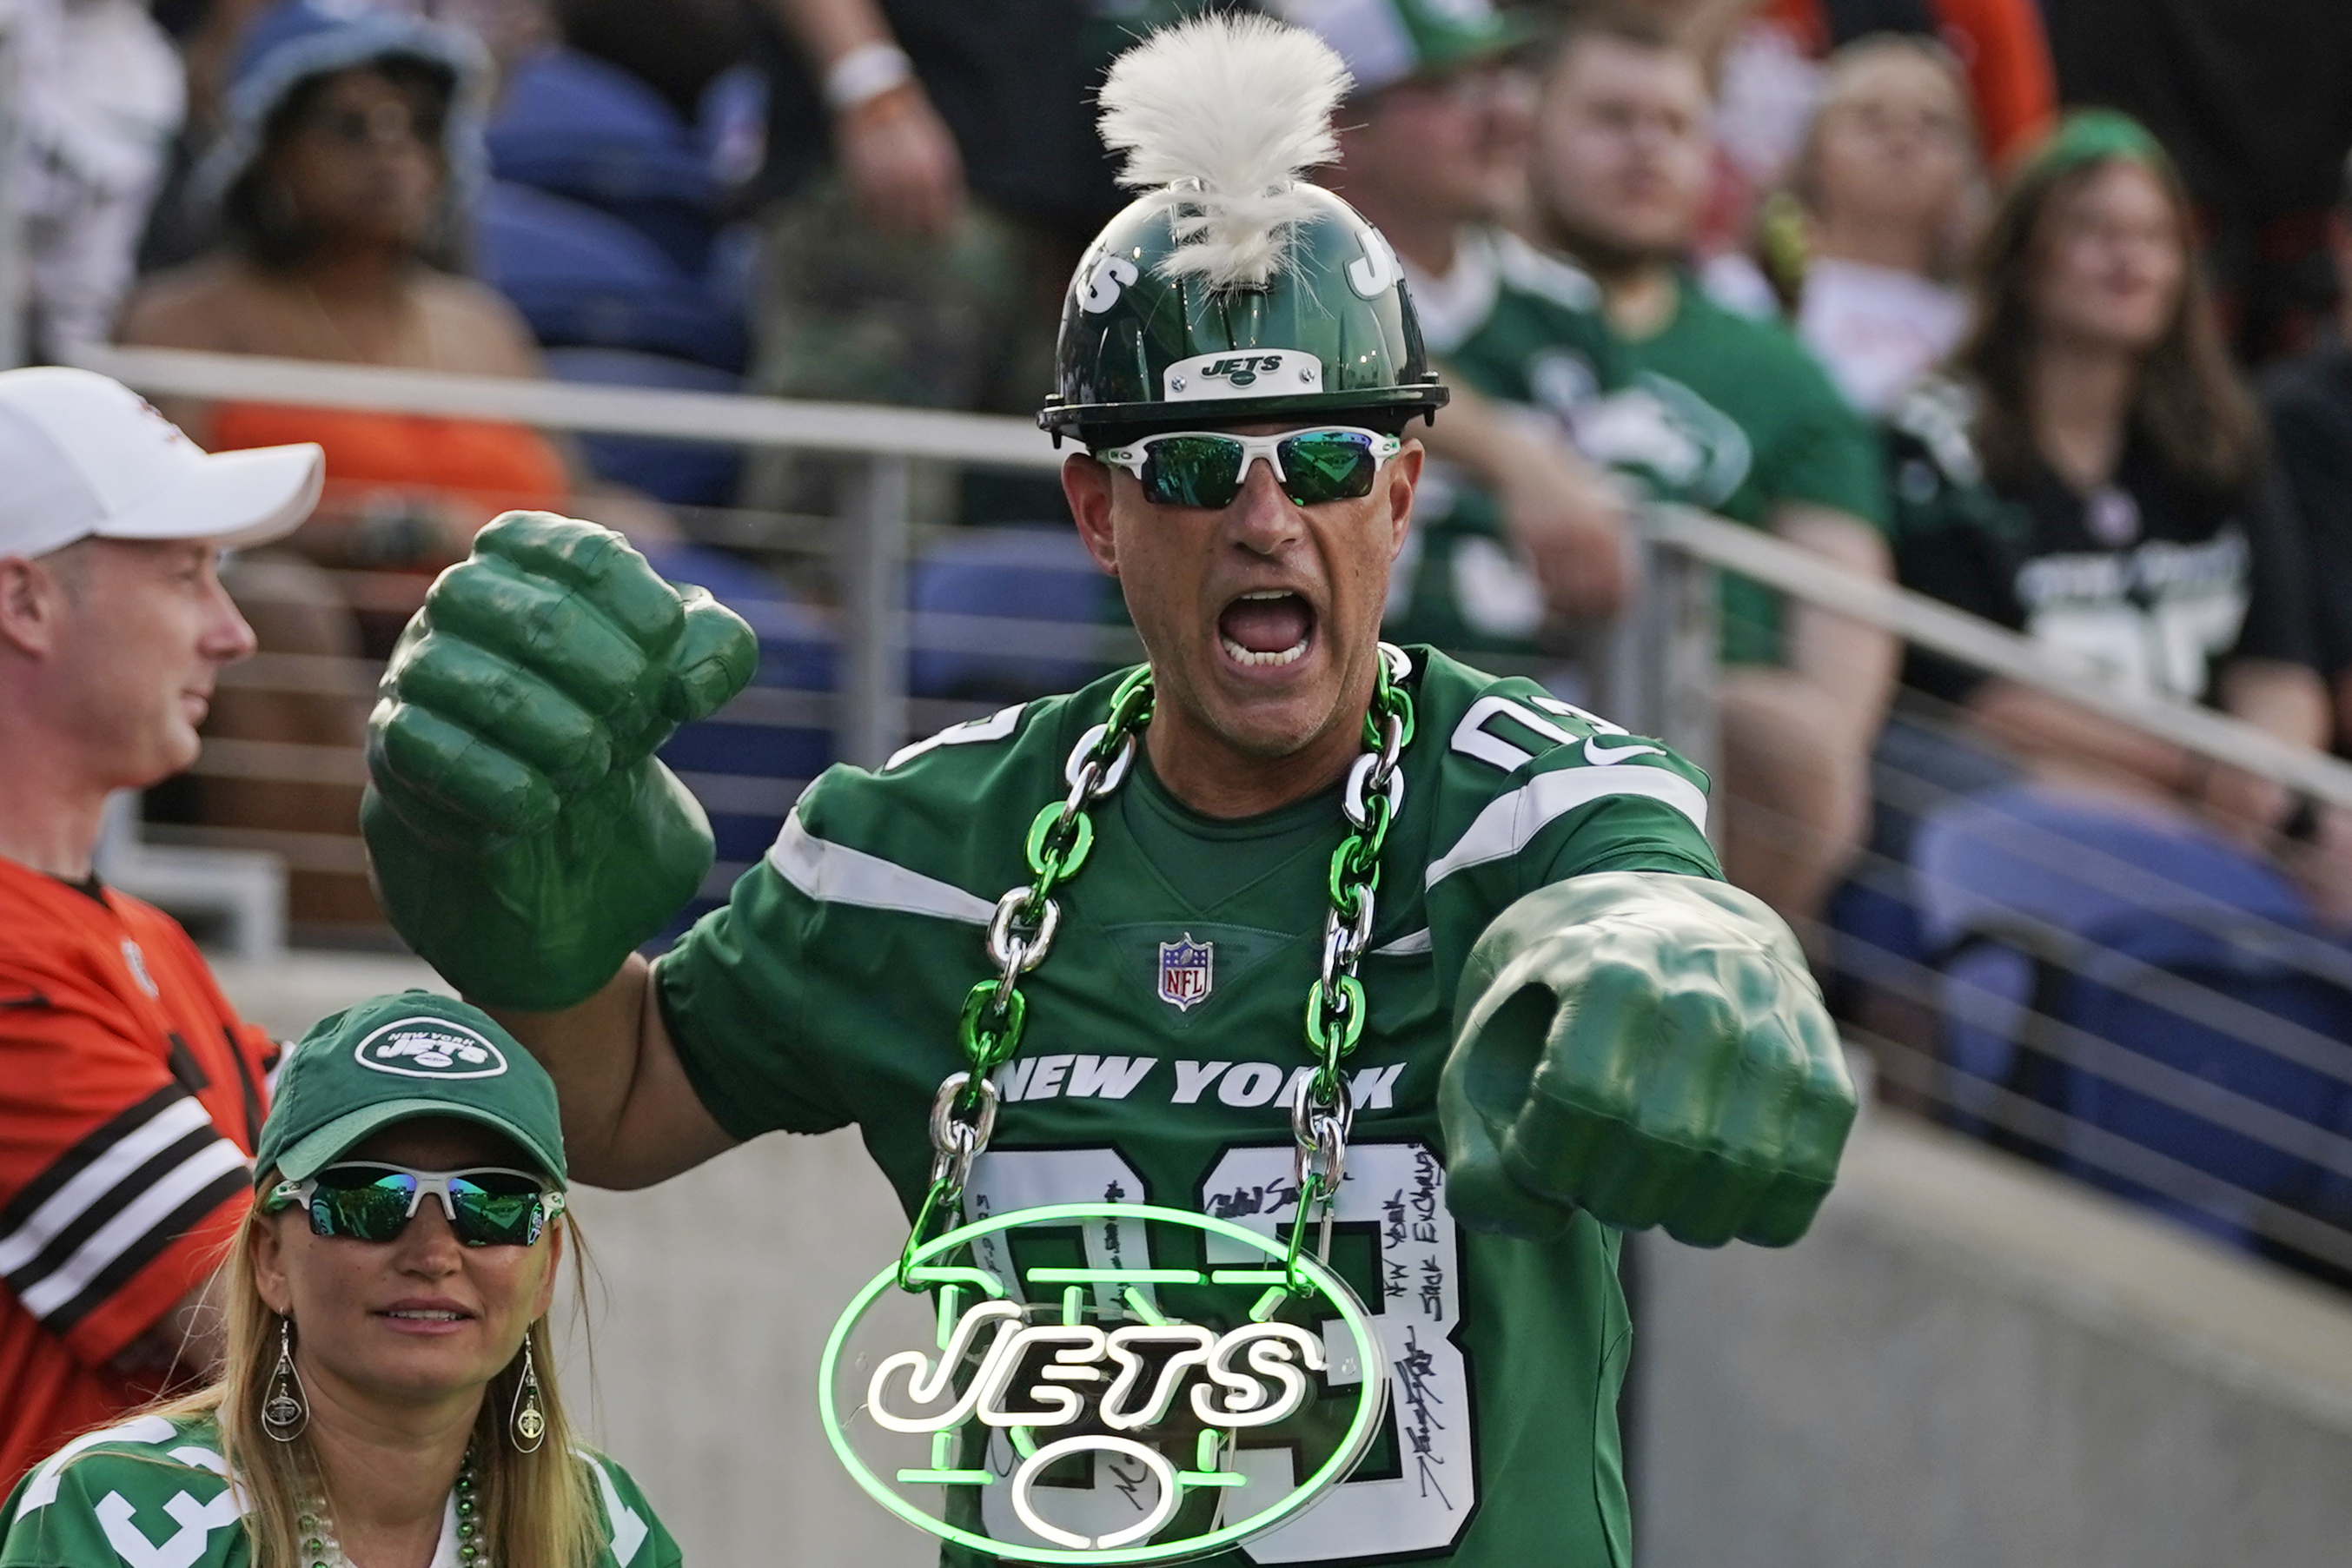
pixel 363 1209
pixel 1320 465
pixel 1193 471
pixel 495 1219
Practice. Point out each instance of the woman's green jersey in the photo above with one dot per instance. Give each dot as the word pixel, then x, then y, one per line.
pixel 154 1492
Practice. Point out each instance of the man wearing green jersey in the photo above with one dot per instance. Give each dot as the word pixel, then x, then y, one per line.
pixel 1656 381
pixel 1515 534
pixel 1570 1027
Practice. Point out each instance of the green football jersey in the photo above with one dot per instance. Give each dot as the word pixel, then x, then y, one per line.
pixel 1774 429
pixel 155 1493
pixel 1715 411
pixel 1525 330
pixel 1165 1031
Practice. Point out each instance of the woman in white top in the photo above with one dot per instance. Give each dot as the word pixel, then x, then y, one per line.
pixel 1888 195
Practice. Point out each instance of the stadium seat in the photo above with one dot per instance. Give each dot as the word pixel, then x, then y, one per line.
pixel 2099 929
pixel 1035 574
pixel 746 772
pixel 584 279
pixel 684 473
pixel 576 126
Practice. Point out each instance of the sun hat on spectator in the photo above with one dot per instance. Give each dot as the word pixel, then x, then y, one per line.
pixel 1385 42
pixel 297 40
pixel 86 457
pixel 395 1057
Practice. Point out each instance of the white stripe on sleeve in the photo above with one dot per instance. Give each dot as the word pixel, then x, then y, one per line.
pixel 1510 822
pixel 92 1185
pixel 836 874
pixel 138 1217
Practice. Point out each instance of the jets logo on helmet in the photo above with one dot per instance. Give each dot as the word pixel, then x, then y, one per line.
pixel 1231 277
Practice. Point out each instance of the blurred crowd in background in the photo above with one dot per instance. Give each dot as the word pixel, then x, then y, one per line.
pixel 2038 307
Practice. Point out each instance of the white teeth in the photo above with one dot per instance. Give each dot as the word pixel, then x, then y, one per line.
pixel 1268 593
pixel 1240 655
pixel 430 1317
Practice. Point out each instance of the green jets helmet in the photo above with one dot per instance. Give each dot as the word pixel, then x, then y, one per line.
pixel 1232 289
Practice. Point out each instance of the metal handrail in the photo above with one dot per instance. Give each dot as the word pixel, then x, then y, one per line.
pixel 727 418
pixel 887 433
pixel 1937 626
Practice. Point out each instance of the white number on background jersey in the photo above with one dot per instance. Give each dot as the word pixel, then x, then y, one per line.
pixel 1397 1188
pixel 2160 651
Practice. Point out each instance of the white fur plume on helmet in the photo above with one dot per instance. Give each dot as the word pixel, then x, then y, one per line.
pixel 1223 114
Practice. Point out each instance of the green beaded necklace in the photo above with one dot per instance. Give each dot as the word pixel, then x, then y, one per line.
pixel 322 1550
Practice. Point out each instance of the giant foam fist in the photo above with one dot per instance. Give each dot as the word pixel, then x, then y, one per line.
pixel 1650 1049
pixel 524 836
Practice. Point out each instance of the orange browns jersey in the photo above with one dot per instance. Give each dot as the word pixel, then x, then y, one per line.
pixel 130 1101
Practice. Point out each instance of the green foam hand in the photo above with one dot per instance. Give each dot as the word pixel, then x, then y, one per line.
pixel 523 837
pixel 1650 1049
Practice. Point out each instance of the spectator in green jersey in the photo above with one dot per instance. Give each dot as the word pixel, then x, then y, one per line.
pixel 389 1393
pixel 1517 532
pixel 1560 1022
pixel 1735 416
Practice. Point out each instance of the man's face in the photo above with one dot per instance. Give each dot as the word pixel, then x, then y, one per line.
pixel 1262 620
pixel 1894 146
pixel 1621 149
pixel 140 635
pixel 1440 150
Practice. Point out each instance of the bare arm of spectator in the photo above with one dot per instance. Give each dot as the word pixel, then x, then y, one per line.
pixel 1797 737
pixel 1851 665
pixel 2290 702
pixel 1566 516
pixel 895 150
pixel 630 1115
pixel 2057 739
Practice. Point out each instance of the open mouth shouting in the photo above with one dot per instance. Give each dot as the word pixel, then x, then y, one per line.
pixel 1267 629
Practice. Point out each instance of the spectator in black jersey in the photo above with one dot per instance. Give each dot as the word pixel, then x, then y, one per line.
pixel 2095 476
pixel 2310 405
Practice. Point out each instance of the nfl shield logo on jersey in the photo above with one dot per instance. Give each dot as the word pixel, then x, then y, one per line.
pixel 1186 972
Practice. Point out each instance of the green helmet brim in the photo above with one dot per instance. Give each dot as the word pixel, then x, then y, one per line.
pixel 1425 399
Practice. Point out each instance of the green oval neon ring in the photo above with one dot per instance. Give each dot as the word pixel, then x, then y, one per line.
pixel 1372 1398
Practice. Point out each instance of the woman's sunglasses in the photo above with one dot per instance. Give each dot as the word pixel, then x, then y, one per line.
pixel 1205 467
pixel 487 1206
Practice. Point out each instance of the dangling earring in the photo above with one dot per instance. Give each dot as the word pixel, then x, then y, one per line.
pixel 530 1416
pixel 285 1406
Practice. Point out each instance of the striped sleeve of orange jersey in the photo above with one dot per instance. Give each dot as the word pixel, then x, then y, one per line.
pixel 131 1099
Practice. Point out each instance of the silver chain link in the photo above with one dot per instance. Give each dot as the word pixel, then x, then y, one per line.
pixel 1017 943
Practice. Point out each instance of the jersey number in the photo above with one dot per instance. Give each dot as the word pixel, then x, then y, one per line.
pixel 1417 1489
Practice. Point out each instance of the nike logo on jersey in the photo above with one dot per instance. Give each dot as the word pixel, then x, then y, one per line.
pixel 1597 758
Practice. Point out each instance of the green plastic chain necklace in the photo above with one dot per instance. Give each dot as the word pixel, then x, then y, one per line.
pixel 1027 917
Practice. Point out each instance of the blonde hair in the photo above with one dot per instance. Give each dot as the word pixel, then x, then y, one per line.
pixel 1843 75
pixel 538 1510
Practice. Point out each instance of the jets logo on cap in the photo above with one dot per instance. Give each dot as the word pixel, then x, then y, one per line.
pixel 430 1048
pixel 1260 372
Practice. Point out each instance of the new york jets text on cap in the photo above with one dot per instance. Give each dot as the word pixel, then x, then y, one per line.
pixel 394 1058
pixel 87 457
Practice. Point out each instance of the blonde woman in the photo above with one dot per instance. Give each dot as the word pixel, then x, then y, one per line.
pixel 1888 196
pixel 389 1399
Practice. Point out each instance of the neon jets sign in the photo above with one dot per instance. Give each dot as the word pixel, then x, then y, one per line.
pixel 1042 1381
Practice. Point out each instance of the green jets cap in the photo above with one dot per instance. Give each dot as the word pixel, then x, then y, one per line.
pixel 1385 42
pixel 394 1058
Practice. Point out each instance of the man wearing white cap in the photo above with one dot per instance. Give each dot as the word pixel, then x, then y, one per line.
pixel 130 1093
